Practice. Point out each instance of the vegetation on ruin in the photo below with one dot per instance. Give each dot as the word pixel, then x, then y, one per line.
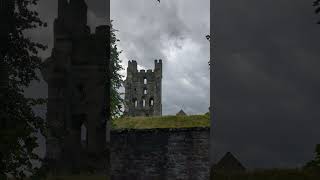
pixel 116 77
pixel 162 122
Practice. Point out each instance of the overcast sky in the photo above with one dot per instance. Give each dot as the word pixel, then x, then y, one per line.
pixel 267 81
pixel 173 31
pixel 266 72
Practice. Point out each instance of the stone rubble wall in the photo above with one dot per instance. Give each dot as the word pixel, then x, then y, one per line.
pixel 160 154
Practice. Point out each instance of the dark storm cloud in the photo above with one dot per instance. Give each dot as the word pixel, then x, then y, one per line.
pixel 267 81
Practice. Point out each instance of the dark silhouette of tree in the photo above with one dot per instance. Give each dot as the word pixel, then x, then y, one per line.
pixel 19 60
pixel 315 163
pixel 316 4
pixel 116 78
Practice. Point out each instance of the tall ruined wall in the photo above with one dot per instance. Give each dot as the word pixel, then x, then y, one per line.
pixel 143 90
pixel 170 154
pixel 76 73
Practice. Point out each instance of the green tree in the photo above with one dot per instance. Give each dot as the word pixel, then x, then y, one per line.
pixel 19 124
pixel 116 78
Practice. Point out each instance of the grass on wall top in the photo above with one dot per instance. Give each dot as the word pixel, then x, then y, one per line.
pixel 162 122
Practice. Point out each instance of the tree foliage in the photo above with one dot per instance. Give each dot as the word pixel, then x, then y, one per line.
pixel 316 4
pixel 116 78
pixel 19 124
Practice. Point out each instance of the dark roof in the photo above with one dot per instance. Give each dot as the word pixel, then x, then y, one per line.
pixel 229 163
pixel 181 113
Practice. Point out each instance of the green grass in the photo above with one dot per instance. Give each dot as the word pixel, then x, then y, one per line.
pixel 162 122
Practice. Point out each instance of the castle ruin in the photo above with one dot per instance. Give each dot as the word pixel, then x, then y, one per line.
pixel 77 76
pixel 143 90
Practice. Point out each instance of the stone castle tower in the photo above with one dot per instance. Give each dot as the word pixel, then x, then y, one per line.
pixel 143 90
pixel 77 75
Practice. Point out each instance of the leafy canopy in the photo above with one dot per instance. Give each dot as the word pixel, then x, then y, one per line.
pixel 19 124
pixel 116 78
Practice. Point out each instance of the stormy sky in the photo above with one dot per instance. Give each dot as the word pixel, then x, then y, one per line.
pixel 266 77
pixel 173 31
pixel 266 81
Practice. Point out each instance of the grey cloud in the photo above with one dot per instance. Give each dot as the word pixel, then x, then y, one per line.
pixel 148 31
pixel 266 82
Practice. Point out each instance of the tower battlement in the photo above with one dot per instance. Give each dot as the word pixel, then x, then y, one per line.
pixel 132 66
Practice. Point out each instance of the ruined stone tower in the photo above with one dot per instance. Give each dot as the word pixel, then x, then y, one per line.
pixel 143 90
pixel 77 108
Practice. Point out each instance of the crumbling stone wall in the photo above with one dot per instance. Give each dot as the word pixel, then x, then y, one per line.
pixel 169 154
pixel 143 90
pixel 76 73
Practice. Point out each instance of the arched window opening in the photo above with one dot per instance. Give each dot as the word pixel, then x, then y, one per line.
pixel 135 102
pixel 145 80
pixel 84 135
pixel 144 103
pixel 151 102
pixel 145 91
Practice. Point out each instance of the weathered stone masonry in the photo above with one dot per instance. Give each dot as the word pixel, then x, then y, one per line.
pixel 76 74
pixel 166 154
pixel 143 90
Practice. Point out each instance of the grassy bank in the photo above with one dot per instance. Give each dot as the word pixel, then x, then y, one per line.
pixel 162 122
